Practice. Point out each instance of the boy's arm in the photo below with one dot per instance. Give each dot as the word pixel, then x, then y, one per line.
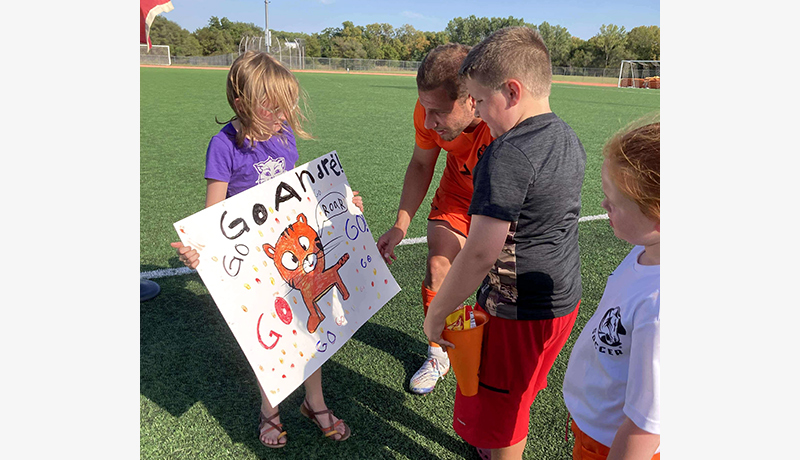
pixel 633 443
pixel 415 186
pixel 486 238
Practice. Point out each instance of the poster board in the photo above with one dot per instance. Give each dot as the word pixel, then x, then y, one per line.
pixel 293 268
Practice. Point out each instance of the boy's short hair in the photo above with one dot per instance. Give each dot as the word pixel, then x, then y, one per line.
pixel 511 52
pixel 439 68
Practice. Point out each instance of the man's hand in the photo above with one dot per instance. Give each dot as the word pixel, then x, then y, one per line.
pixel 388 241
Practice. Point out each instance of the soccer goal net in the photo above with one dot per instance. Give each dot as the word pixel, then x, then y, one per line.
pixel 157 55
pixel 639 74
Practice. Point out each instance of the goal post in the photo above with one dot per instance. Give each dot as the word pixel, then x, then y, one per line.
pixel 639 74
pixel 157 55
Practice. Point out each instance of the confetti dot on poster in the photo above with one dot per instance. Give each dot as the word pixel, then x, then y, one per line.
pixel 283 376
pixel 288 219
pixel 292 366
pixel 283 352
pixel 280 360
pixel 308 198
pixel 374 271
pixel 265 263
pixel 244 308
pixel 294 299
pixel 271 210
pixel 385 281
pixel 365 248
pixel 261 368
pixel 272 391
pixel 346 312
pixel 379 295
pixel 258 281
pixel 272 280
pixel 370 307
pixel 273 369
pixel 313 355
pixel 334 228
pixel 295 344
pixel 274 315
pixel 301 354
pixel 373 284
pixel 294 331
pixel 260 233
pixel 347 243
pixel 182 230
pixel 247 286
pixel 321 331
pixel 214 258
pixel 330 233
pixel 356 288
pixel 356 270
pixel 255 268
pixel 277 221
pixel 272 229
pixel 329 304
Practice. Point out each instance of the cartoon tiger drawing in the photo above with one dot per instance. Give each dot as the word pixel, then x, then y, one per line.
pixel 610 328
pixel 300 260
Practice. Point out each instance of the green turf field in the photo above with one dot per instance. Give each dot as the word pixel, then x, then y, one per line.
pixel 198 395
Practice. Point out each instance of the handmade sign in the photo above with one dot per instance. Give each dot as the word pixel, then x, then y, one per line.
pixel 293 268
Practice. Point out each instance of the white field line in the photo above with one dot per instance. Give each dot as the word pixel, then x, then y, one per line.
pixel 166 272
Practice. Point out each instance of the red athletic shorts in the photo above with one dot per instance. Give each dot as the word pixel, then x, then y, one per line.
pixel 587 448
pixel 516 356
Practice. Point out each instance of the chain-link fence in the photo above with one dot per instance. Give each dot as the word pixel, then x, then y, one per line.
pixel 292 60
pixel 221 60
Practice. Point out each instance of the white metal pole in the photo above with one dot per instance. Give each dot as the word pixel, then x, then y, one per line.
pixel 266 20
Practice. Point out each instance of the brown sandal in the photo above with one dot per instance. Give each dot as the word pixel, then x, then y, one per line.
pixel 263 421
pixel 339 427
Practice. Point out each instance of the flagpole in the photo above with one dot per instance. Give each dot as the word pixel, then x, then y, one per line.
pixel 266 20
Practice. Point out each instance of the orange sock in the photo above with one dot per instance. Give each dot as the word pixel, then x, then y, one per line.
pixel 427 298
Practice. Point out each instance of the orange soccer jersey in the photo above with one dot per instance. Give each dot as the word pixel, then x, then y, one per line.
pixel 455 188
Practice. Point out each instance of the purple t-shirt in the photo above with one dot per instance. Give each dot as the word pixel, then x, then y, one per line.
pixel 245 167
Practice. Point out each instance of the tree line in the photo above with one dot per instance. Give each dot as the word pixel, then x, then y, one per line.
pixel 382 41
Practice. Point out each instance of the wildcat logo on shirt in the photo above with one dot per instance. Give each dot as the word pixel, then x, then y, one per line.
pixel 608 332
pixel 269 168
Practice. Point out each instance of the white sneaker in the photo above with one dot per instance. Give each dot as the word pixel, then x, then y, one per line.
pixel 423 381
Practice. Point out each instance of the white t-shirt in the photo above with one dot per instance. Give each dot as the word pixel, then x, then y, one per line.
pixel 614 369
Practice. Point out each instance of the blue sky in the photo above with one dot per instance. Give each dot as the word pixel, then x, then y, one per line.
pixel 582 18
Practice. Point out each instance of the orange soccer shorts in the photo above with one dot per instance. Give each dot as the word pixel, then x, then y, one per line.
pixel 587 448
pixel 450 212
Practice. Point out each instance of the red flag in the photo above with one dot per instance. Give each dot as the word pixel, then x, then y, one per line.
pixel 149 10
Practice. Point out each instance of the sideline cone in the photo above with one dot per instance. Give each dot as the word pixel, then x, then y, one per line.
pixel 466 356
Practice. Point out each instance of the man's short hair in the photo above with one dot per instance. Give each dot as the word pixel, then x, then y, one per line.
pixel 511 52
pixel 439 68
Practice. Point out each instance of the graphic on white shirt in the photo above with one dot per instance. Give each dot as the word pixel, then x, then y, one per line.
pixel 609 331
pixel 269 168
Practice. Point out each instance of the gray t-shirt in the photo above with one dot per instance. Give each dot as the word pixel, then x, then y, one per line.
pixel 531 176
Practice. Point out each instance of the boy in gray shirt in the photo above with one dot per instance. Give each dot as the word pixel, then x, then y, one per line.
pixel 524 234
